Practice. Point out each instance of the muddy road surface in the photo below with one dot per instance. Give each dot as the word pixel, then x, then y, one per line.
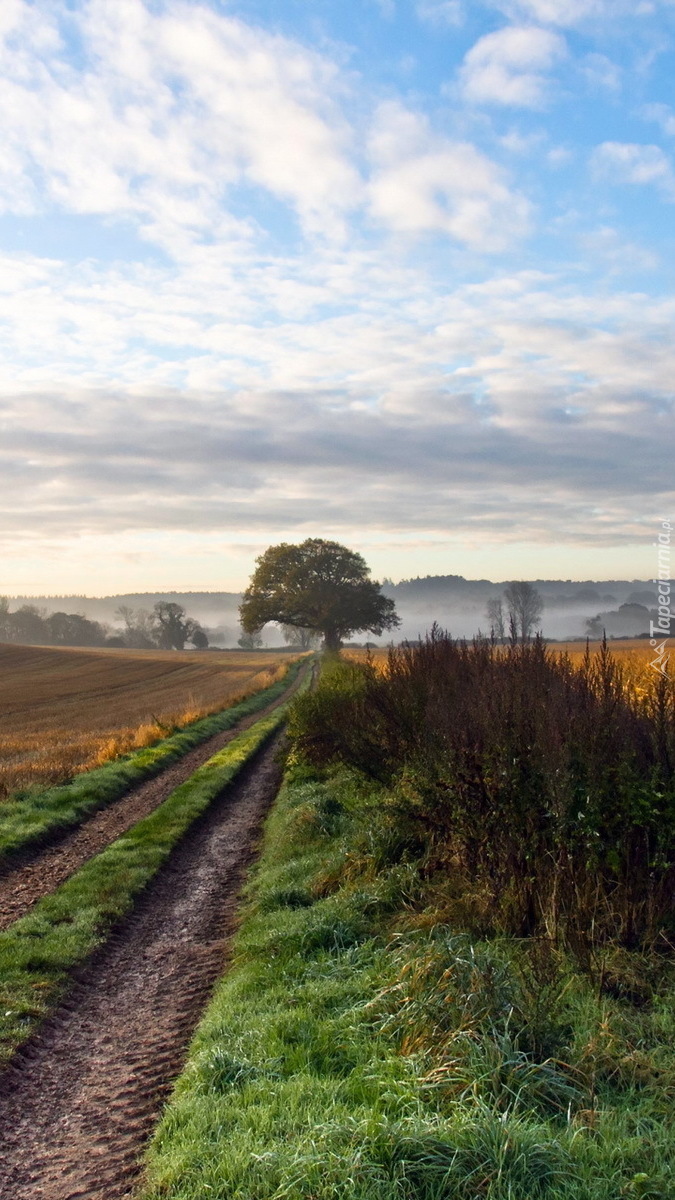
pixel 79 1103
pixel 35 874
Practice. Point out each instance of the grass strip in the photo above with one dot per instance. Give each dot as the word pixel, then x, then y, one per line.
pixel 32 818
pixel 353 1053
pixel 38 952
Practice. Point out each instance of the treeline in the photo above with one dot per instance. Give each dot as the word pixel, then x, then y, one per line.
pixel 166 627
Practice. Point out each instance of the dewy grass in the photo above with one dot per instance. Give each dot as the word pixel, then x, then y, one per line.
pixel 38 952
pixel 358 1049
pixel 32 818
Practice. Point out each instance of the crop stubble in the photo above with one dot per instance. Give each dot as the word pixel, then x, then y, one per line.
pixel 35 874
pixel 64 710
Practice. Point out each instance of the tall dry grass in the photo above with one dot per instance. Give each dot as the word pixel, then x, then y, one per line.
pixel 539 789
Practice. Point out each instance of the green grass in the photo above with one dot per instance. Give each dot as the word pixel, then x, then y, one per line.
pixel 38 952
pixel 360 1049
pixel 31 818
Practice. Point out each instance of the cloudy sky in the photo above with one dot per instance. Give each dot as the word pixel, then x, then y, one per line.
pixel 398 272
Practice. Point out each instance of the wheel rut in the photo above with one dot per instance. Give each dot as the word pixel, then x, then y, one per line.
pixel 36 873
pixel 80 1101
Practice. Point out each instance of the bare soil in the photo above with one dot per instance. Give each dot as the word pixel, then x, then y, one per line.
pixel 79 1103
pixel 65 709
pixel 29 877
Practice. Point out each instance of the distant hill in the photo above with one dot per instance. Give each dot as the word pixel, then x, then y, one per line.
pixel 457 603
pixel 202 605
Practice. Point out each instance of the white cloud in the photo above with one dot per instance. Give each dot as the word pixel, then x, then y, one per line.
pixel 553 12
pixel 601 73
pixel 224 383
pixel 146 399
pixel 570 13
pixel 663 115
pixel 619 255
pixel 440 12
pixel 631 162
pixel 170 110
pixel 424 183
pixel 509 66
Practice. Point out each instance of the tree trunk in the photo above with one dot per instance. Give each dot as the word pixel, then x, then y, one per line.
pixel 331 640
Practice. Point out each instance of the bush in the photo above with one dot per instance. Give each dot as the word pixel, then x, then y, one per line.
pixel 548 786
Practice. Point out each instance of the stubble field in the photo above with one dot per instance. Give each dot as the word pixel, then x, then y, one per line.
pixel 66 710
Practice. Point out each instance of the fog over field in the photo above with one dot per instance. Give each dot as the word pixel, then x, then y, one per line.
pixel 455 603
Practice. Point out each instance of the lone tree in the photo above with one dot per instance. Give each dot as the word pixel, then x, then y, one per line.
pixel 525 606
pixel 317 585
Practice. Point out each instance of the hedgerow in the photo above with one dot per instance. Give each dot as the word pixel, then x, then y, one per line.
pixel 548 788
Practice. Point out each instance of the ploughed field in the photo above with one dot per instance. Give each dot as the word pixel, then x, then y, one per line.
pixel 117 897
pixel 67 710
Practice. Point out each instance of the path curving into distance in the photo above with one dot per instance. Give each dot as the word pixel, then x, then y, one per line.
pixel 80 1101
pixel 37 873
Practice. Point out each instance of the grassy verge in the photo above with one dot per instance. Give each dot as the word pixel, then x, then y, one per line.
pixel 360 1049
pixel 38 952
pixel 31 818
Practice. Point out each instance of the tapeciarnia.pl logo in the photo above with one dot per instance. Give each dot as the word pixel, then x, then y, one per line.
pixel 661 628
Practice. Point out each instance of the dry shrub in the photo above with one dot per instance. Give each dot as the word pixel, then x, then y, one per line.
pixel 549 784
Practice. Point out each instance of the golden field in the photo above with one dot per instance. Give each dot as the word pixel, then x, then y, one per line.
pixel 637 649
pixel 66 710
pixel 634 654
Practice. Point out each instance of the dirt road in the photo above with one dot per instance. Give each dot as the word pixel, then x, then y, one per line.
pixel 77 1108
pixel 27 879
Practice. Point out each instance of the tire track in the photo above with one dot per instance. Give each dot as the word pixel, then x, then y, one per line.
pixel 81 1100
pixel 35 874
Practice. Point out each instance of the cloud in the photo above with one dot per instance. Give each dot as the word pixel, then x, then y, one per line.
pixel 571 13
pixel 631 162
pixel 618 254
pixel 169 111
pixel 509 66
pixel 267 326
pixel 601 73
pixel 663 115
pixel 440 12
pixel 446 409
pixel 424 183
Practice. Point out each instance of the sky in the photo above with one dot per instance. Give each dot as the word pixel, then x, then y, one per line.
pixel 394 272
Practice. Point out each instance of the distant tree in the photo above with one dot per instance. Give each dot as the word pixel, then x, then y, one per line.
pixel 304 639
pixel 317 585
pixel 199 640
pixel 173 628
pixel 27 626
pixel 5 621
pixel 525 606
pixel 628 620
pixel 74 629
pixel 139 627
pixel 495 614
pixel 250 641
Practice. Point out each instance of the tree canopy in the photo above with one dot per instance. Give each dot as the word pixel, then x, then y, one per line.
pixel 317 585
pixel 525 606
pixel 173 628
